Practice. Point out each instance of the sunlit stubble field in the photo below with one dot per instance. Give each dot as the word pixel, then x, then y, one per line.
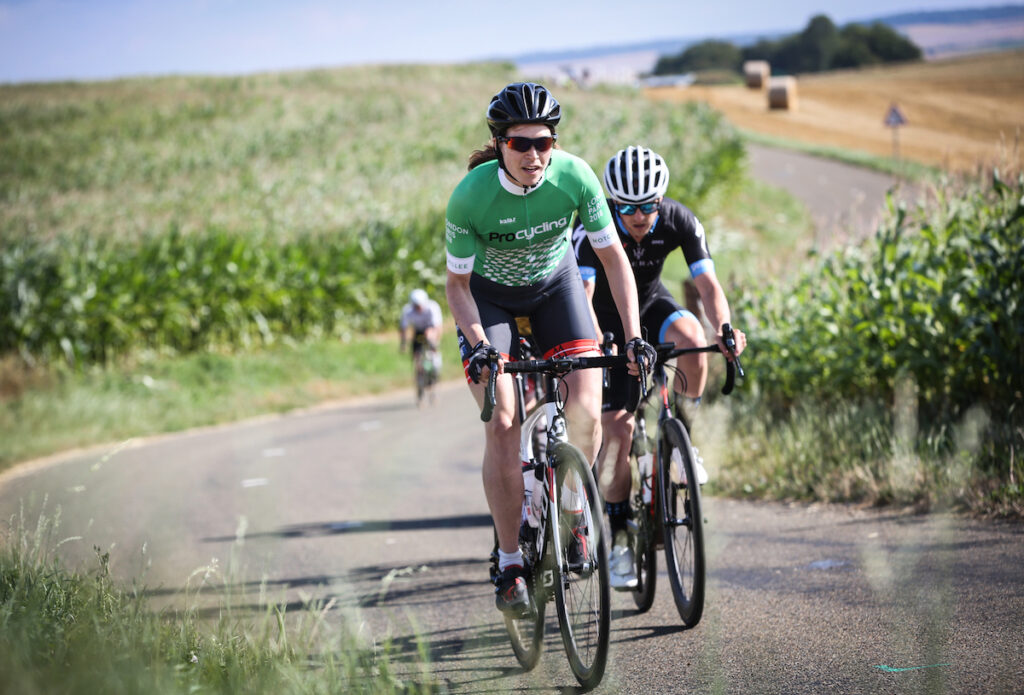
pixel 961 112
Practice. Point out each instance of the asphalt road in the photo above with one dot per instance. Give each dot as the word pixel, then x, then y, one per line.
pixel 378 507
pixel 844 202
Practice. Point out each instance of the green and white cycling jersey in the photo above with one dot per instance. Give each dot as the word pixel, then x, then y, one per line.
pixel 517 236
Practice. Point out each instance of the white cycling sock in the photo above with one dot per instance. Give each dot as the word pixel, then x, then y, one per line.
pixel 508 559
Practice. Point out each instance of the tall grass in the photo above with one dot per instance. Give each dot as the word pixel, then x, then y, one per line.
pixel 181 214
pixel 81 632
pixel 892 370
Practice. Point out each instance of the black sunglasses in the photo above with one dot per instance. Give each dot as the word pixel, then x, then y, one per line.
pixel 521 144
pixel 646 208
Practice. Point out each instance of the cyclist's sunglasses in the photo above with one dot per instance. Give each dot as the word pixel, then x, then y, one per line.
pixel 521 144
pixel 646 208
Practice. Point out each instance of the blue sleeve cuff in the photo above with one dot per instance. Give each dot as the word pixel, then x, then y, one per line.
pixel 702 266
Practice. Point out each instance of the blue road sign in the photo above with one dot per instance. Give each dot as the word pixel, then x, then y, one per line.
pixel 895 118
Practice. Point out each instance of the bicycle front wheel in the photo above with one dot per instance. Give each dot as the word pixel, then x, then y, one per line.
pixel 683 528
pixel 582 594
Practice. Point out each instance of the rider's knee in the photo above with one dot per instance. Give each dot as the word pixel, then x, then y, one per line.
pixel 687 332
pixel 619 427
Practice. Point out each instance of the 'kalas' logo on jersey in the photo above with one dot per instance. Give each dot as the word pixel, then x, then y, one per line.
pixel 530 232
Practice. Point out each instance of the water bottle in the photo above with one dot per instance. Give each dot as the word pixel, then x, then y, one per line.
pixel 645 464
pixel 527 492
pixel 536 500
pixel 531 506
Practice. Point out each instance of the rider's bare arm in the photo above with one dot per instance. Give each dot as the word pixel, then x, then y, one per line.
pixel 716 306
pixel 589 286
pixel 623 287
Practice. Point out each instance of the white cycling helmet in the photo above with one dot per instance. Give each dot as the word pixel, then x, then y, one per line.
pixel 418 297
pixel 636 175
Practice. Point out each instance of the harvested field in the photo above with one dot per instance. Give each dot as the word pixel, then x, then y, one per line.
pixel 961 112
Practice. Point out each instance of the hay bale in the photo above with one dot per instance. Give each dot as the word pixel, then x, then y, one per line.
pixel 782 93
pixel 756 73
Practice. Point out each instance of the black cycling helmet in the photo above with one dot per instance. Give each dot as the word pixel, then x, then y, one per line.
pixel 522 102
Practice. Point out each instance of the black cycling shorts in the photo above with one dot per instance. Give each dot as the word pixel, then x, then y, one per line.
pixel 623 390
pixel 419 343
pixel 556 306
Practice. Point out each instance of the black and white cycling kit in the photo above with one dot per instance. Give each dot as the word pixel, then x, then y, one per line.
pixel 675 227
pixel 516 243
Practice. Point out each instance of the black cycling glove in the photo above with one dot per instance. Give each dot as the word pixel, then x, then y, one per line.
pixel 642 350
pixel 479 358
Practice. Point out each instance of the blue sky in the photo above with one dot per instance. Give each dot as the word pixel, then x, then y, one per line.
pixel 97 39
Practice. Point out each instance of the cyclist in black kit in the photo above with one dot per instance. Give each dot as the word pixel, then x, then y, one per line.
pixel 650 226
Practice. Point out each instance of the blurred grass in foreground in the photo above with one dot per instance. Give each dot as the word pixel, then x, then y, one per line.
pixel 80 632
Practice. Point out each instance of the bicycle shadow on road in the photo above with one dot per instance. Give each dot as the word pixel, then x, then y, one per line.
pixel 370 585
pixel 330 528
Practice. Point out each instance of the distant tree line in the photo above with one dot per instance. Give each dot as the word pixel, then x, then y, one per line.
pixel 820 46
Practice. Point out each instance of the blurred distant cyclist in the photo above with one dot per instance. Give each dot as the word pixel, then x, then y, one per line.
pixel 422 318
pixel 649 227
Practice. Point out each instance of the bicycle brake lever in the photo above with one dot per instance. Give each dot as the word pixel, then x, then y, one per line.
pixel 733 366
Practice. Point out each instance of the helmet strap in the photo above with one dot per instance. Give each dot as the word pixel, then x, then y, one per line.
pixel 501 159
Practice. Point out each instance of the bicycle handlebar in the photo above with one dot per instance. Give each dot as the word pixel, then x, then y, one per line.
pixel 558 366
pixel 667 351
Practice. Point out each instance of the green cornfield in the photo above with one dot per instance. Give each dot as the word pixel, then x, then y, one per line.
pixel 894 368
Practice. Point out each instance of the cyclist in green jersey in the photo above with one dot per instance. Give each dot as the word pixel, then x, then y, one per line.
pixel 507 233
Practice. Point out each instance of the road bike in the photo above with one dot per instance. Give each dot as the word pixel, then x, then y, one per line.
pixel 666 505
pixel 562 539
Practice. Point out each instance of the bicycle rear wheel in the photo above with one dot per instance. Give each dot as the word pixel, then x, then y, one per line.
pixel 644 543
pixel 582 594
pixel 527 634
pixel 683 528
pixel 646 556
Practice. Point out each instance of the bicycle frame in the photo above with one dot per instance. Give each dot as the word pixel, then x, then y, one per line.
pixel 551 409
